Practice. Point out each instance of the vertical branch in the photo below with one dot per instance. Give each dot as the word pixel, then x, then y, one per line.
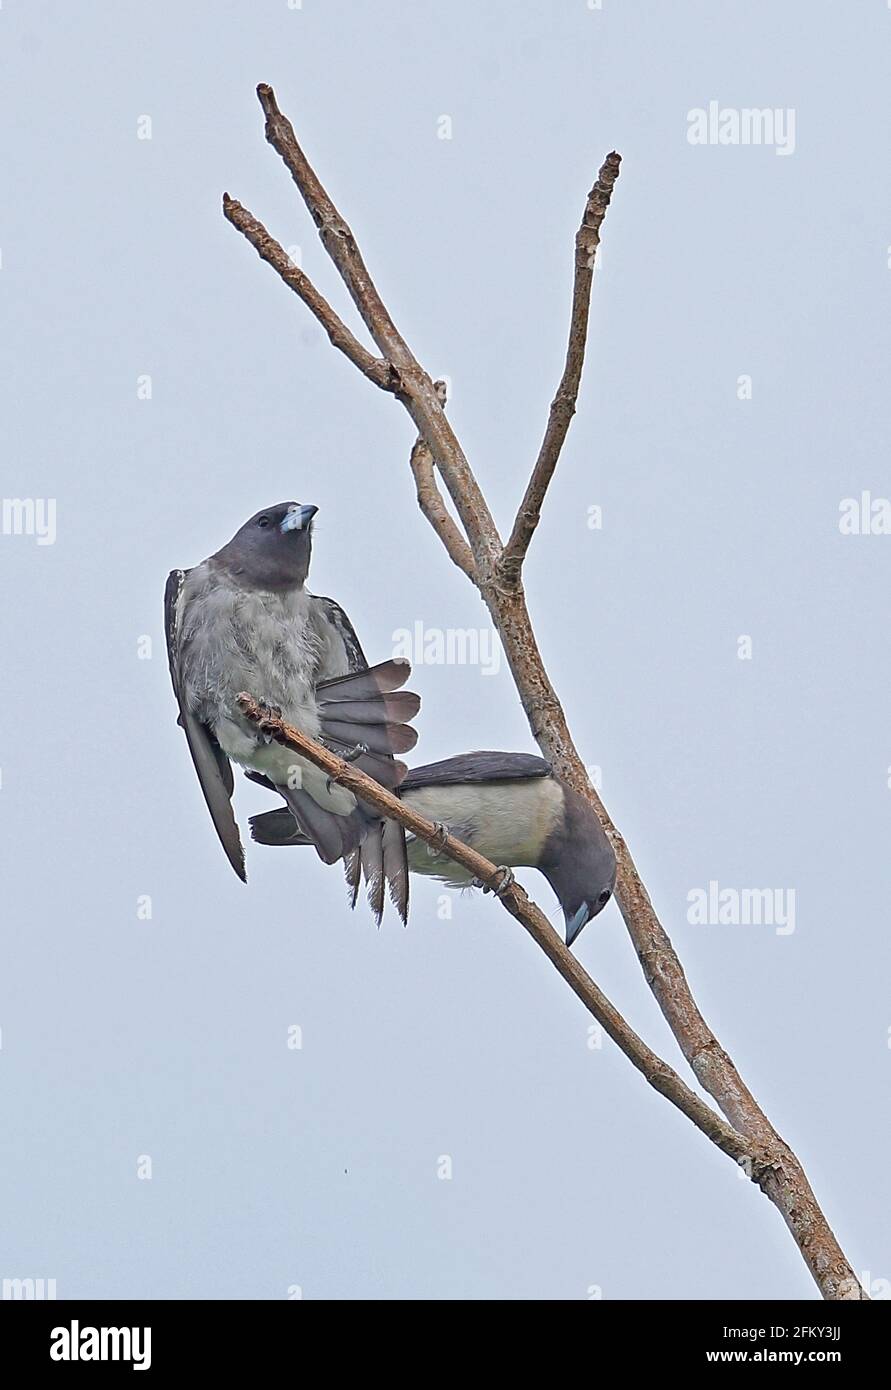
pixel 432 505
pixel 563 405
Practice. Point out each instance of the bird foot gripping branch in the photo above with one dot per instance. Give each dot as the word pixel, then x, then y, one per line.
pixel 272 717
pixel 506 880
pixel 441 838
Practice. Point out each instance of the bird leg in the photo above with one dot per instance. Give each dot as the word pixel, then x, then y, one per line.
pixel 274 711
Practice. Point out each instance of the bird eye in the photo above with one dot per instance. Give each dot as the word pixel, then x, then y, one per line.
pixel 263 521
pixel 604 897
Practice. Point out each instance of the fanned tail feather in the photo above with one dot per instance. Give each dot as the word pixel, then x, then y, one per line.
pixel 372 859
pixel 395 855
pixel 352 868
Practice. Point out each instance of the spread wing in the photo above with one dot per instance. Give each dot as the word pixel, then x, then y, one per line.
pixel 211 764
pixel 367 706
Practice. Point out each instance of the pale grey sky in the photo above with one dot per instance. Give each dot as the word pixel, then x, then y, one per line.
pixel 274 1167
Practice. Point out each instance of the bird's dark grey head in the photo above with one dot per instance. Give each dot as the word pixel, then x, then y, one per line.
pixel 579 864
pixel 272 550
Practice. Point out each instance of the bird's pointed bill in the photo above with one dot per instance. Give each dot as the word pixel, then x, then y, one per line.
pixel 575 924
pixel 297 518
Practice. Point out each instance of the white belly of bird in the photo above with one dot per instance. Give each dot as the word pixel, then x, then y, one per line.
pixel 508 822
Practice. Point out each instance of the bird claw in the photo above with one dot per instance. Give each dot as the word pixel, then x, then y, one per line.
pixel 507 880
pixel 269 712
pixel 349 757
pixel 437 844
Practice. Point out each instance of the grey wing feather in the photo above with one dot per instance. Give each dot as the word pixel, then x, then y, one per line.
pixel 476 767
pixel 211 764
pixel 364 705
pixel 377 738
pixel 371 695
pixel 369 681
pixel 398 706
pixel 368 707
pixel 277 828
pixel 341 624
pixel 332 836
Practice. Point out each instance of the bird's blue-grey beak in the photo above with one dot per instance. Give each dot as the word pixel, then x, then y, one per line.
pixel 575 924
pixel 296 518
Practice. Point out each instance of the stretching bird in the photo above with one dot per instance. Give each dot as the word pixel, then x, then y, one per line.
pixel 243 620
pixel 511 808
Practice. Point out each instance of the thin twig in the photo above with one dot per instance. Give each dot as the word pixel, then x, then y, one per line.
pixel 433 507
pixel 415 390
pixel 563 405
pixel 268 249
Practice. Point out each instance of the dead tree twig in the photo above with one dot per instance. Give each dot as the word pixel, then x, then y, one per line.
pixel 496 571
pixel 562 409
pixel 431 503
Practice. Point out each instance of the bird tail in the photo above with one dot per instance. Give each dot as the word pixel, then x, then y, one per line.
pixel 381 859
pixel 370 708
pixel 396 866
pixel 364 715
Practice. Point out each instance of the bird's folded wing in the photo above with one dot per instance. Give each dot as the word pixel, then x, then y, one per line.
pixel 211 764
pixel 476 767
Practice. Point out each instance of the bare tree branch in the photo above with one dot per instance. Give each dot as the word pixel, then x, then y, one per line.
pixel 336 236
pixel 517 902
pixel 563 405
pixel 415 388
pixel 268 249
pixel 780 1174
pixel 431 503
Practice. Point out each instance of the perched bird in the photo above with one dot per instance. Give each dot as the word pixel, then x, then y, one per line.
pixel 511 808
pixel 243 620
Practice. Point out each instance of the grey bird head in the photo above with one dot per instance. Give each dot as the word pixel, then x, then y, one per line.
pixel 271 551
pixel 579 863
